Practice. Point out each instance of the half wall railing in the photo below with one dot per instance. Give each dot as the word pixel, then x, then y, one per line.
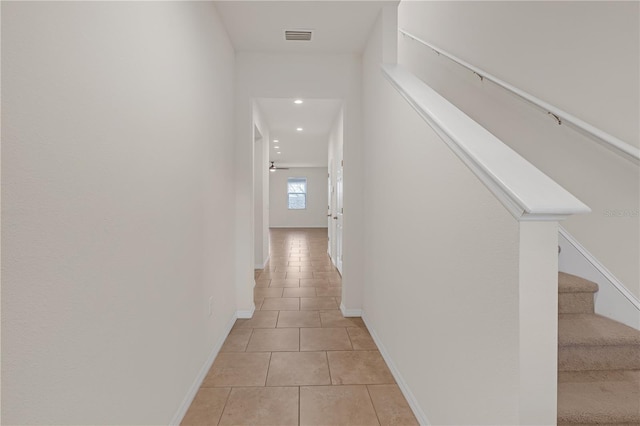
pixel 523 189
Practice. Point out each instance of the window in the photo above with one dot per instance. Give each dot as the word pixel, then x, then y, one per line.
pixel 297 191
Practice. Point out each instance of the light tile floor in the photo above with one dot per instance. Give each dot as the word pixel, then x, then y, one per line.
pixel 298 361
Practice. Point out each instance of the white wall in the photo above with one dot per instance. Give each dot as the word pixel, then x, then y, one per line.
pixel 323 76
pixel 460 297
pixel 580 56
pixel 336 140
pixel 116 141
pixel 315 215
pixel 260 188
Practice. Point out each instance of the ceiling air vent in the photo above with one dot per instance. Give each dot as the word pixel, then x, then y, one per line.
pixel 297 35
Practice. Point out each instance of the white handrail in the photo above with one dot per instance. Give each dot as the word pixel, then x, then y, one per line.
pixel 526 192
pixel 616 145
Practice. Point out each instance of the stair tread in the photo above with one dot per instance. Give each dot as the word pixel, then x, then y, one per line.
pixel 593 329
pixel 599 397
pixel 568 283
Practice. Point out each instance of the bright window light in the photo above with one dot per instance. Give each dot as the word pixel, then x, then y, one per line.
pixel 297 193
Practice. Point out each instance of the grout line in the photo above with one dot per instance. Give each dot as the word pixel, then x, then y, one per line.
pixel 305 385
pixel 298 405
pixel 372 404
pixel 268 367
pixel 326 353
pixel 225 405
pixel 250 336
pixel 349 337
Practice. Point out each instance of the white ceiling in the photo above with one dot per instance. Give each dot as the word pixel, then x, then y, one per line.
pixel 339 26
pixel 308 148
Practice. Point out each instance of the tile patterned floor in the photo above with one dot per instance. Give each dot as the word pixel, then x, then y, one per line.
pixel 298 361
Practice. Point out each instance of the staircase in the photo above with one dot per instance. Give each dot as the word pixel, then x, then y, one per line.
pixel 598 361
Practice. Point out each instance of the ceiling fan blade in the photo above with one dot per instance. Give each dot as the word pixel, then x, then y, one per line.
pixel 273 167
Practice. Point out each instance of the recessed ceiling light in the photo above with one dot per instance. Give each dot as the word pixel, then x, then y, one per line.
pixel 276 141
pixel 279 152
pixel 297 101
pixel 299 129
pixel 276 147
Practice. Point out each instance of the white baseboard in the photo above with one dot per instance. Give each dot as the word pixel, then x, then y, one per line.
pixel 193 390
pixel 246 314
pixel 350 312
pixel 264 265
pixel 404 388
pixel 613 299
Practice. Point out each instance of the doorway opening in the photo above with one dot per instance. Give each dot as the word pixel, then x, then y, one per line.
pixel 298 171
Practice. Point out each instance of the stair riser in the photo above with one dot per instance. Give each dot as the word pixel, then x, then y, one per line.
pixel 596 424
pixel 575 303
pixel 595 376
pixel 584 358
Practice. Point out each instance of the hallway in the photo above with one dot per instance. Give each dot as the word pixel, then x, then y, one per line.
pixel 298 360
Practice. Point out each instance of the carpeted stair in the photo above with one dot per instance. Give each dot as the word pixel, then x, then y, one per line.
pixel 598 361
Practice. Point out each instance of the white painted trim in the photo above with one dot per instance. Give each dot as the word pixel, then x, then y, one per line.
pixel 616 145
pixel 195 386
pixel 613 299
pixel 246 314
pixel 526 192
pixel 404 388
pixel 299 227
pixel 350 312
pixel 333 262
pixel 264 265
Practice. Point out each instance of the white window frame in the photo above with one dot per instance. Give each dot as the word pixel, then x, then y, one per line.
pixel 305 193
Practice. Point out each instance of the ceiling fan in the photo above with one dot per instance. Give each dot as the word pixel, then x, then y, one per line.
pixel 273 168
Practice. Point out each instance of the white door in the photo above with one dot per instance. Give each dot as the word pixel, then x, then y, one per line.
pixel 338 213
pixel 330 229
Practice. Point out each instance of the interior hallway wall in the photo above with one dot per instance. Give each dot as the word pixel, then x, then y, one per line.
pixel 583 57
pixel 323 76
pixel 441 283
pixel 315 215
pixel 261 189
pixel 116 140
